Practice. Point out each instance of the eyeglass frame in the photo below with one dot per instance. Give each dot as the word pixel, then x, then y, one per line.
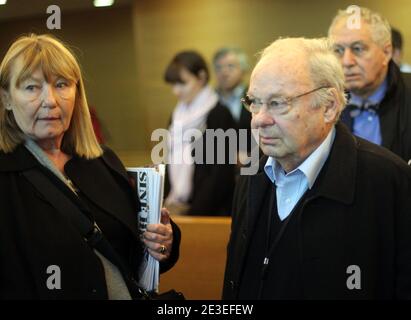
pixel 285 101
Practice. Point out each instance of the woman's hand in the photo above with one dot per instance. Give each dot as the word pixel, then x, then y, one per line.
pixel 159 237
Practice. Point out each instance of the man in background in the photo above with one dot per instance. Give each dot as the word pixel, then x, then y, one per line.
pixel 379 108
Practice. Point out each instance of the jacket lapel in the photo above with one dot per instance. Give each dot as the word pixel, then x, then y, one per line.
pixel 336 180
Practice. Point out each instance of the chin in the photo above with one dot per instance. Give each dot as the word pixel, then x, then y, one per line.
pixel 272 151
pixel 49 135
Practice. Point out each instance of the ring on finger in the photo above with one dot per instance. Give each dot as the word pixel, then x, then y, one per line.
pixel 163 249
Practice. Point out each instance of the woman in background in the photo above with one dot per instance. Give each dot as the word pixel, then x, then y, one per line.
pixel 196 188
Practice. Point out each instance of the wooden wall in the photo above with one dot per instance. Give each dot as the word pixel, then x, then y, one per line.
pixel 164 27
pixel 125 50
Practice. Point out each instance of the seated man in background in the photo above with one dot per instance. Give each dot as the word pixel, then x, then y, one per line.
pixel 230 67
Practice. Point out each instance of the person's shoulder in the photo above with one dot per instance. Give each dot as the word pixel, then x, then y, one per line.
pixel 380 160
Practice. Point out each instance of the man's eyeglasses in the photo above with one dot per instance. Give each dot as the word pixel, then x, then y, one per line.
pixel 278 105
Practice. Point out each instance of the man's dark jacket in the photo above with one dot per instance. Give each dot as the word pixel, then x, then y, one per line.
pixel 358 213
pixel 394 113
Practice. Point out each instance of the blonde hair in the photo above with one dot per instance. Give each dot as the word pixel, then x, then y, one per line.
pixel 54 58
pixel 324 68
pixel 379 26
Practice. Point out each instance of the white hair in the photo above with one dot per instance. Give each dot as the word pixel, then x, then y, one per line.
pixel 324 67
pixel 379 26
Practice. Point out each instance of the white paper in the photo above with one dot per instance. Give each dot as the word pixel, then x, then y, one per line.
pixel 150 191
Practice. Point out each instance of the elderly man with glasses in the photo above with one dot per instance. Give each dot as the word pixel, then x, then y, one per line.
pixel 328 215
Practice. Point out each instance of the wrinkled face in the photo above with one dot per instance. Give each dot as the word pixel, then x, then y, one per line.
pixel 191 86
pixel 364 62
pixel 42 108
pixel 228 72
pixel 293 134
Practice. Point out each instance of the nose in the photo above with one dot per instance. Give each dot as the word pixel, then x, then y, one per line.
pixel 262 119
pixel 348 59
pixel 49 96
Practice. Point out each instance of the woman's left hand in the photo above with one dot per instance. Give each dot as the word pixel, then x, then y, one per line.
pixel 159 237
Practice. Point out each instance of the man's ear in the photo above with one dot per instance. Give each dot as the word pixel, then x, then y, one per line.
pixel 387 49
pixel 332 107
pixel 5 99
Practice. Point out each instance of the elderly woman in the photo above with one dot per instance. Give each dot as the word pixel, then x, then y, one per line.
pixel 197 187
pixel 68 226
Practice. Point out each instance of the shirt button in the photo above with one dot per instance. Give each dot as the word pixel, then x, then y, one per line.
pixel 370 118
pixel 288 200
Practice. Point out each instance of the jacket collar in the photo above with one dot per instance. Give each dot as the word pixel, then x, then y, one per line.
pixel 336 180
pixel 89 177
pixel 18 160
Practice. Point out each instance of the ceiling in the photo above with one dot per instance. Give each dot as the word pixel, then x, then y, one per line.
pixel 17 9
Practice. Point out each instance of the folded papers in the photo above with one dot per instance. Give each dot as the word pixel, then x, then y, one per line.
pixel 150 191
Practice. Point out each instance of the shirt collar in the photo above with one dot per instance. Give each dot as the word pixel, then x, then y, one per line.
pixel 238 91
pixel 373 99
pixel 311 166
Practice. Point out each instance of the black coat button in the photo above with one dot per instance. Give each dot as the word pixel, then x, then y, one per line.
pixel 244 235
pixel 232 285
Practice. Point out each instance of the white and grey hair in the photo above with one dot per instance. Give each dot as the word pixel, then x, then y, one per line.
pixel 324 67
pixel 379 26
